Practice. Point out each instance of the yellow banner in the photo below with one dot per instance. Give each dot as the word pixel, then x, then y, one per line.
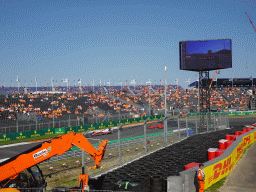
pixel 222 168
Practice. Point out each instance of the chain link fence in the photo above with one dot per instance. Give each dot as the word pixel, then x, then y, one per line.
pixel 133 141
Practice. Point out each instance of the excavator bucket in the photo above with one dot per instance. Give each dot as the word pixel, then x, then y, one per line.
pixel 103 147
pixel 101 151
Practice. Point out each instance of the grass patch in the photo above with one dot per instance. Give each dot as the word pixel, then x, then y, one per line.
pixel 68 176
pixel 215 187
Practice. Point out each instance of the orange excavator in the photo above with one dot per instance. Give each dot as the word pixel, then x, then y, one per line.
pixel 22 171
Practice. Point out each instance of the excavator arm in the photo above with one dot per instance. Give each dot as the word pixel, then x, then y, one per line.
pixel 10 168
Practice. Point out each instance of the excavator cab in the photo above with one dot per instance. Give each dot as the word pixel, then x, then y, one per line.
pixel 30 178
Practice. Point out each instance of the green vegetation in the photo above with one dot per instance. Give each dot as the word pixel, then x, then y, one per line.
pixel 215 187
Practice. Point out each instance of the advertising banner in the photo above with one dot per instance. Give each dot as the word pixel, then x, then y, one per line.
pixel 222 168
pixel 61 131
pixel 110 124
pixel 49 131
pixel 93 126
pixel 127 121
pixel 101 125
pixel 120 122
pixel 82 128
pixel 71 129
pixel 6 137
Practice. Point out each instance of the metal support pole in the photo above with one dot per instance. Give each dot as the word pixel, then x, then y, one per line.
pixel 165 133
pixel 83 161
pixel 187 123
pixel 69 120
pixel 179 127
pixel 228 120
pixel 220 120
pixel 196 124
pixel 207 127
pixel 214 121
pixel 145 135
pixel 83 119
pixel 119 145
pixel 59 124
pixel 165 103
pixel 225 120
pixel 119 148
pixel 17 125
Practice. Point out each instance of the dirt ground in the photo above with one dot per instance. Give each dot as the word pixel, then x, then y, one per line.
pixel 243 176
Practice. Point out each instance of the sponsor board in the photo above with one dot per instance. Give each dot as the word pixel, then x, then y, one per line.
pixel 221 169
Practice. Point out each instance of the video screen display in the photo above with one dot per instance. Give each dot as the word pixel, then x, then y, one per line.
pixel 205 55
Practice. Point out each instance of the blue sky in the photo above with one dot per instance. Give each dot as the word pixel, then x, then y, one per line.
pixel 117 40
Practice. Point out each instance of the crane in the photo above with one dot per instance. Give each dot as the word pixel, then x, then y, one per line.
pixel 251 22
pixel 216 72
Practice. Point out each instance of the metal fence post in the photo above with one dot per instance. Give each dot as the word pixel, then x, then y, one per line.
pixel 179 127
pixel 83 118
pixel 207 127
pixel 220 120
pixel 225 120
pixel 17 125
pixel 83 161
pixel 228 120
pixel 119 145
pixel 214 121
pixel 196 124
pixel 119 148
pixel 187 123
pixel 165 133
pixel 145 135
pixel 69 120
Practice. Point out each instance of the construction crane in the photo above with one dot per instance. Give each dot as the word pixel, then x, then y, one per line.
pixel 216 72
pixel 251 22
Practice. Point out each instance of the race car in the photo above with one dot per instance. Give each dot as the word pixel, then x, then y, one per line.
pixel 160 125
pixel 152 127
pixel 103 132
pixel 254 125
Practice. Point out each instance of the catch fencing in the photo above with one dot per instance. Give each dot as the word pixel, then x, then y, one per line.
pixel 127 144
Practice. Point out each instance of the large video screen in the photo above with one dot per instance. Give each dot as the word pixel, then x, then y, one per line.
pixel 205 55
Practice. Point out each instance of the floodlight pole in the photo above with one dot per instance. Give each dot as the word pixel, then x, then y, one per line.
pixel 198 93
pixel 148 102
pixel 165 110
pixel 52 106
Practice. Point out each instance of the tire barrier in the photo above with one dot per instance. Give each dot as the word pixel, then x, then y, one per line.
pixel 156 183
pixel 152 170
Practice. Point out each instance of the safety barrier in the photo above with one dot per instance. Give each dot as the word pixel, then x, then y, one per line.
pixel 39 133
pixel 217 168
pixel 230 113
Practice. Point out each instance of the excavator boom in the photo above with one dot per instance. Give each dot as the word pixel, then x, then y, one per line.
pixel 10 168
